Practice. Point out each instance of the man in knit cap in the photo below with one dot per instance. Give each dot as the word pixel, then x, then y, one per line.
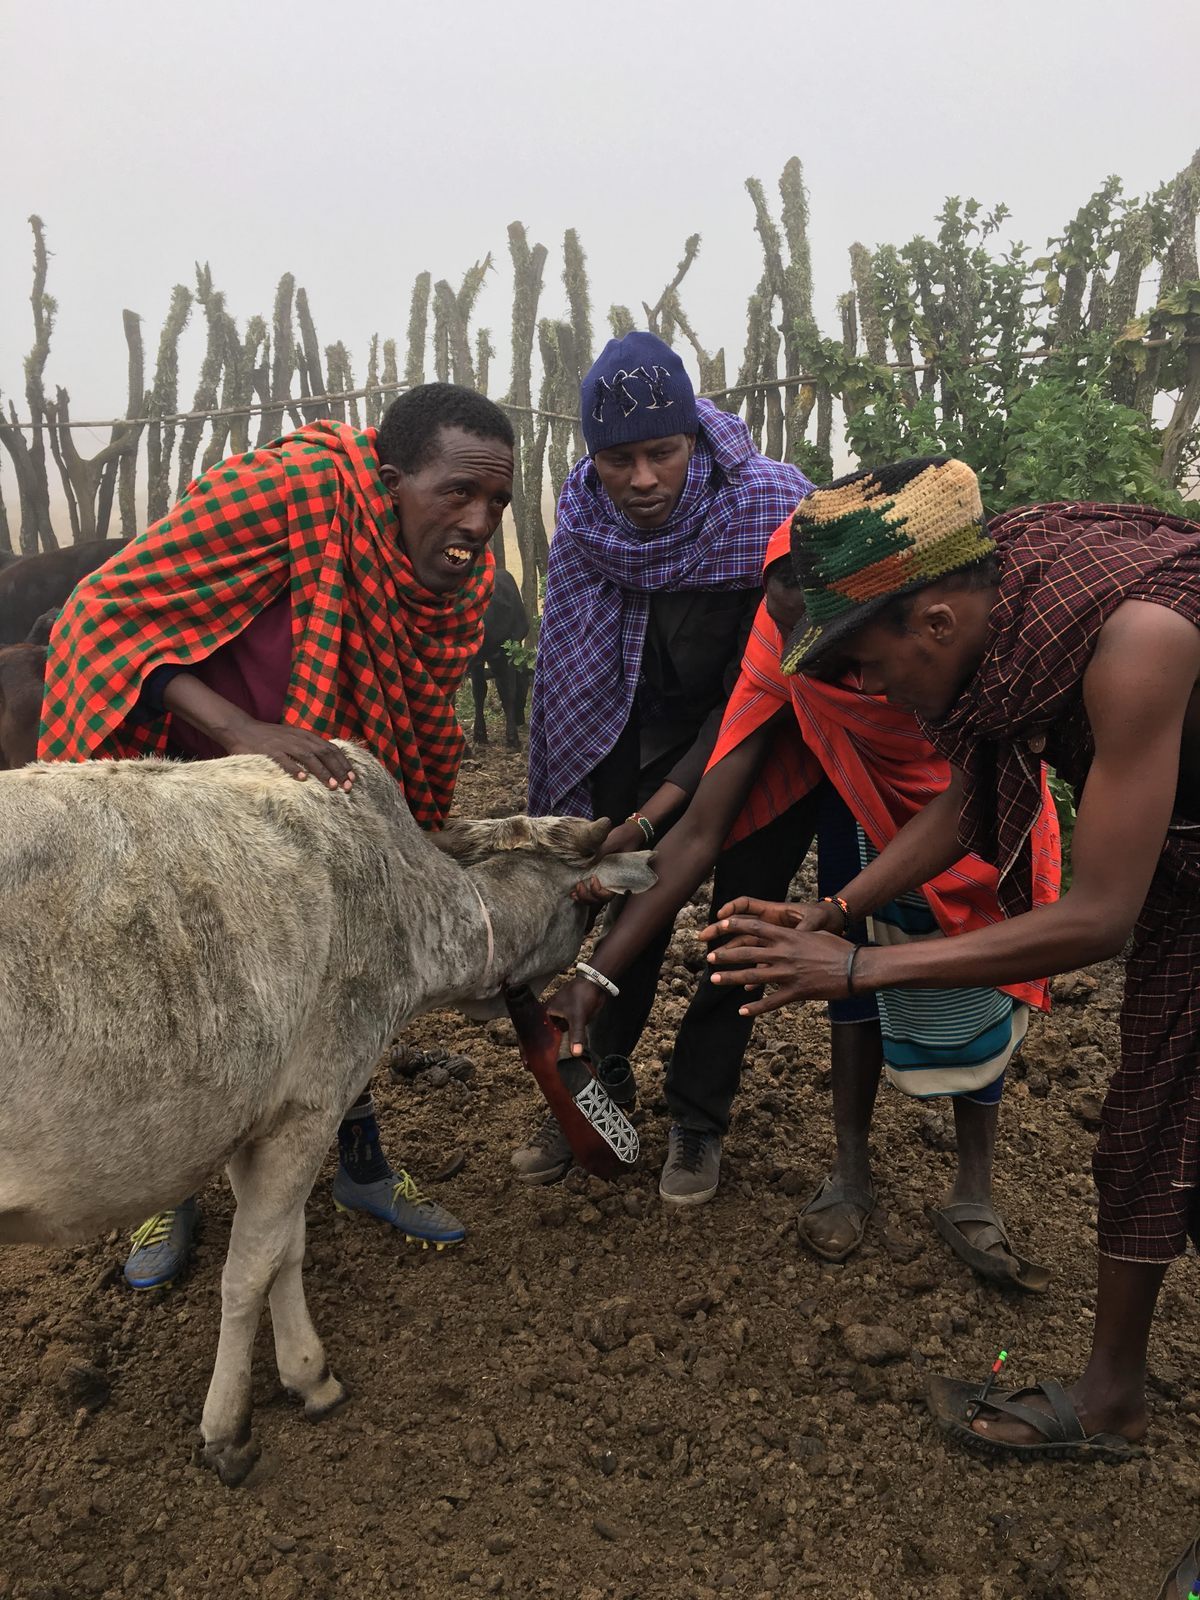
pixel 1070 632
pixel 654 577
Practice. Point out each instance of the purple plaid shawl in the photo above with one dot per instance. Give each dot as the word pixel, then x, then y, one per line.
pixel 602 572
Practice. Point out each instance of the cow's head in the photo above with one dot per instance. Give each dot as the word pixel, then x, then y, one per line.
pixel 527 868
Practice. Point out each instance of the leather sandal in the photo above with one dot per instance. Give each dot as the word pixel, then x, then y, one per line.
pixel 832 1192
pixel 953 1405
pixel 1009 1269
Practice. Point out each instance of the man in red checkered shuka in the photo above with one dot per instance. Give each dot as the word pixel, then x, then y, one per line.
pixel 331 585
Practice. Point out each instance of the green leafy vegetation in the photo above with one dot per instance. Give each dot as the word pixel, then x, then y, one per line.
pixel 522 655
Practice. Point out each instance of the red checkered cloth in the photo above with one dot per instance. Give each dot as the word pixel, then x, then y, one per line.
pixel 376 658
pixel 879 762
pixel 1064 570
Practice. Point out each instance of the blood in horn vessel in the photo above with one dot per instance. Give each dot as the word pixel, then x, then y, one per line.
pixel 602 1138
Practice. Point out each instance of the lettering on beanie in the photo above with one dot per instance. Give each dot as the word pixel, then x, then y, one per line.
pixel 655 379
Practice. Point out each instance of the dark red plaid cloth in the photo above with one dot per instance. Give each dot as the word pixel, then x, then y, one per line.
pixel 1064 570
pixel 376 658
pixel 1147 1160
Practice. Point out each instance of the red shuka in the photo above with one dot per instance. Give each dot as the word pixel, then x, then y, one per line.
pixel 376 658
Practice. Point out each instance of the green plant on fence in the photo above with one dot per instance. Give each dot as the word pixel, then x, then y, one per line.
pixel 1048 374
pixel 1068 440
pixel 523 656
pixel 1038 372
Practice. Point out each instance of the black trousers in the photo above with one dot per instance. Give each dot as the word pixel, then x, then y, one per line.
pixel 706 1064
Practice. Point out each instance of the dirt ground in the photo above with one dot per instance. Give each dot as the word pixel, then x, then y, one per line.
pixel 595 1400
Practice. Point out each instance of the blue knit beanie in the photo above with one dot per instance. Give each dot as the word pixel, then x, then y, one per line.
pixel 637 389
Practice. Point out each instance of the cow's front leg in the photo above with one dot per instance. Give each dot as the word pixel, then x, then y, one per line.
pixel 271 1180
pixel 299 1354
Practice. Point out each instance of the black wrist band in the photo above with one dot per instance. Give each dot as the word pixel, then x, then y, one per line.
pixel 850 960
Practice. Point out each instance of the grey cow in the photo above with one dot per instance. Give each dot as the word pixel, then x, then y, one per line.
pixel 262 939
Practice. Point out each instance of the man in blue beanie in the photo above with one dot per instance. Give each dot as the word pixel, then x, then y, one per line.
pixel 654 577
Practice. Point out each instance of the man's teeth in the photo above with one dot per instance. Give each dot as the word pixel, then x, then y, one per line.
pixel 457 555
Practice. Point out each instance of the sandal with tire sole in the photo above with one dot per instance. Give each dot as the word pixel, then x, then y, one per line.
pixel 954 1405
pixel 1010 1269
pixel 1185 1574
pixel 832 1192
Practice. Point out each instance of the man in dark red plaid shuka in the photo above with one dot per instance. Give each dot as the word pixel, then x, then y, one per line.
pixel 1078 639
pixel 331 585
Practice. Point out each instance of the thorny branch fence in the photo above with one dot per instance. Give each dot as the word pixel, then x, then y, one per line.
pixel 946 324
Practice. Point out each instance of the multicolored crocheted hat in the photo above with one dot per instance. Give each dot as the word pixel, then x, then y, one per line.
pixel 875 535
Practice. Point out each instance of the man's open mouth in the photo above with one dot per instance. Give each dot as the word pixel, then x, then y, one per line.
pixel 459 555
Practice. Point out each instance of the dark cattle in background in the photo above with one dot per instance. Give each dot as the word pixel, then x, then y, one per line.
pixel 22 671
pixel 7 557
pixel 44 626
pixel 506 620
pixel 34 584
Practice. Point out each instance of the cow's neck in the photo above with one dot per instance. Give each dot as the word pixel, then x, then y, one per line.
pixel 445 943
pixel 524 897
pixel 489 971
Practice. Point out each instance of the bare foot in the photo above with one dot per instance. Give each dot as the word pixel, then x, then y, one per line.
pixel 835 1230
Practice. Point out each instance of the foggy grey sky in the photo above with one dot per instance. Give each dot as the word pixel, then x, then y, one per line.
pixel 355 145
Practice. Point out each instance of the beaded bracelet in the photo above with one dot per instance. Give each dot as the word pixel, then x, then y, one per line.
pixel 646 826
pixel 836 900
pixel 598 978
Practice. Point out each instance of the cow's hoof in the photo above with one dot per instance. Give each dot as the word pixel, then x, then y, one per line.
pixel 232 1463
pixel 514 744
pixel 325 1399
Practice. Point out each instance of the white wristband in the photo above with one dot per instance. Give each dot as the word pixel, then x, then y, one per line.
pixel 584 971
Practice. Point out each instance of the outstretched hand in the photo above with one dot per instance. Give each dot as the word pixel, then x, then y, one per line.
pixel 818 916
pixel 769 943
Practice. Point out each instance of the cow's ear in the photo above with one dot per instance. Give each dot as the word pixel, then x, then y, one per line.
pixel 592 836
pixel 575 839
pixel 626 874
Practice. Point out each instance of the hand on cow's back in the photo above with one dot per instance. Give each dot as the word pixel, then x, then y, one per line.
pixel 298 751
